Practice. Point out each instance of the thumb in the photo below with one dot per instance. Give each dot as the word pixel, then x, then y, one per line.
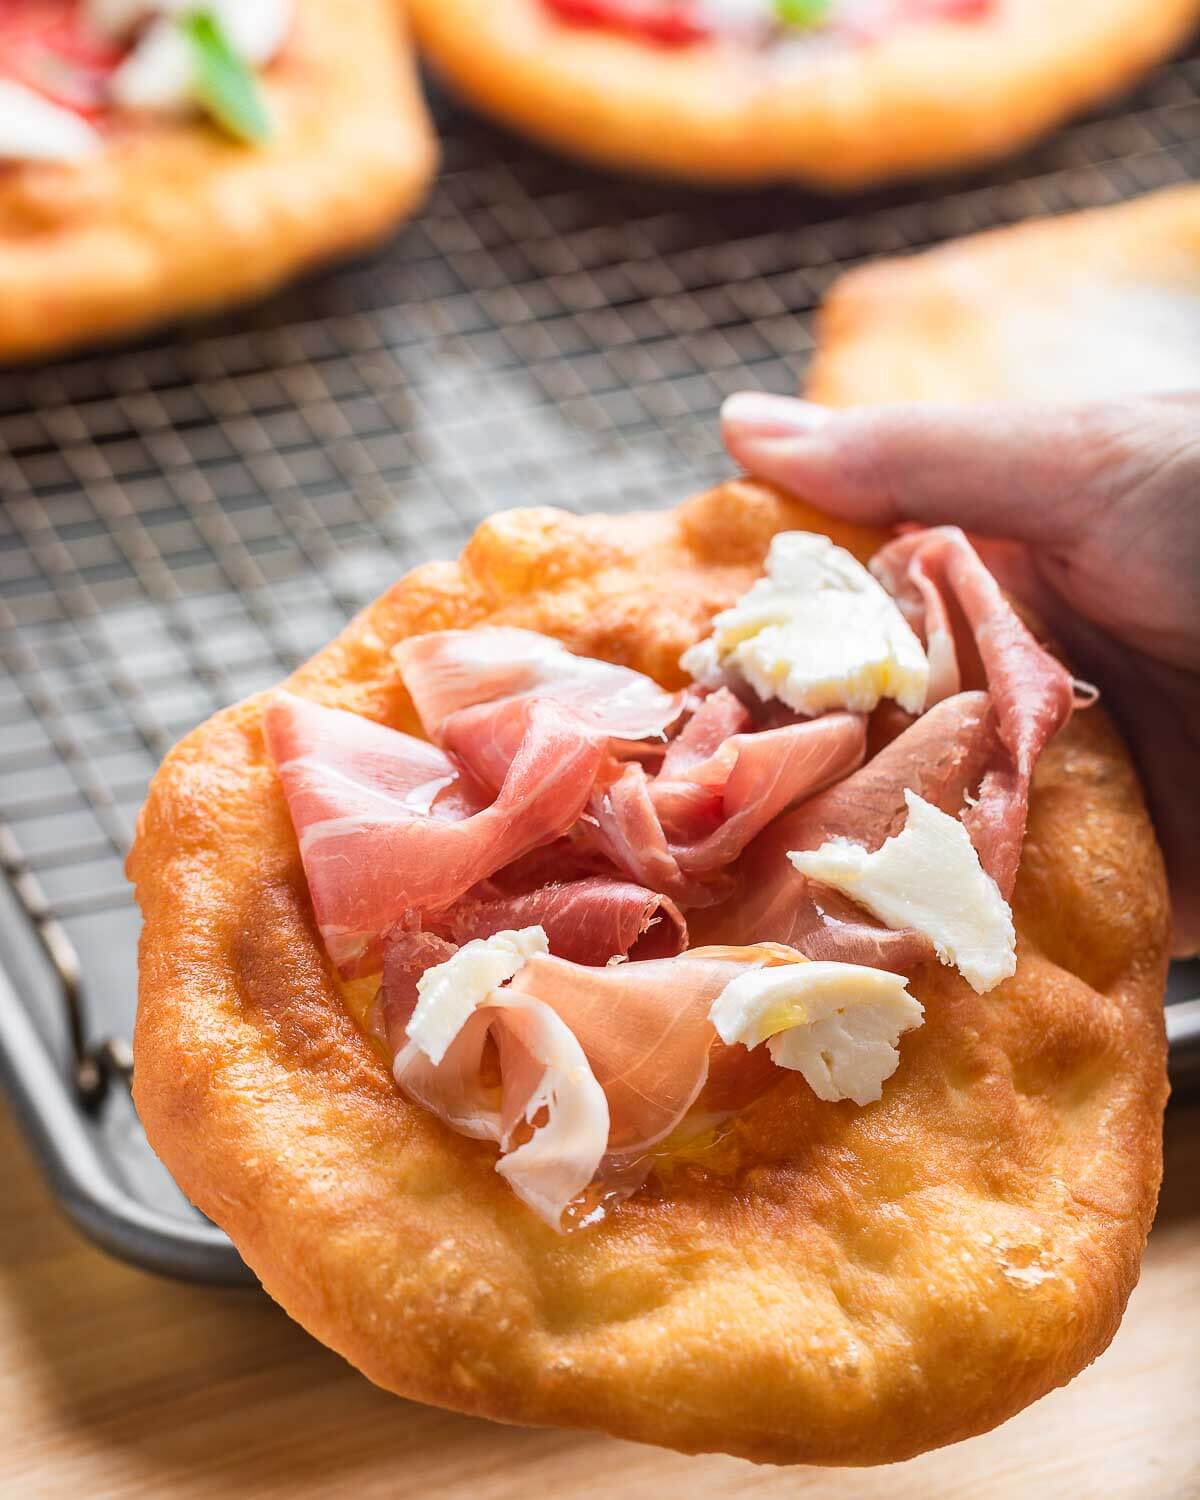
pixel 1030 473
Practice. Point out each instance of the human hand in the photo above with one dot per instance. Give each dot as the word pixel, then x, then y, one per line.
pixel 1094 512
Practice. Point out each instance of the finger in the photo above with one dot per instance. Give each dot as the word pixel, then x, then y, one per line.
pixel 1034 473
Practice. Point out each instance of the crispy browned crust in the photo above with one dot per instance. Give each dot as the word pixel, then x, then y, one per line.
pixel 174 219
pixel 1093 304
pixel 926 99
pixel 845 1285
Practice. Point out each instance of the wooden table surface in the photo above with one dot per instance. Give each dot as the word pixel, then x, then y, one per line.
pixel 114 1384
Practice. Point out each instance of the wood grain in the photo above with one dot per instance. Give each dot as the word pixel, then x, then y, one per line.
pixel 117 1385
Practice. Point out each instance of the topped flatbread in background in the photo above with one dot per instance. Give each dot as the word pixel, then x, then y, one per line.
pixel 122 204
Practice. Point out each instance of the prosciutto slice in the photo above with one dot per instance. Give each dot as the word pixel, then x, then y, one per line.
pixel 717 717
pixel 451 670
pixel 972 632
pixel 557 1043
pixel 46 45
pixel 607 1090
pixel 644 1038
pixel 390 826
pixel 943 757
pixel 589 921
pixel 673 832
pixel 646 1032
pixel 542 1069
pixel 677 830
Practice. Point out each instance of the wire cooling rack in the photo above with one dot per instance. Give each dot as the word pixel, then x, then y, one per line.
pixel 187 520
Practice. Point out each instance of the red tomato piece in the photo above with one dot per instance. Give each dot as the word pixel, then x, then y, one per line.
pixel 44 45
pixel 669 25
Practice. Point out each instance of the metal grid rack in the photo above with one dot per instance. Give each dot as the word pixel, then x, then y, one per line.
pixel 185 521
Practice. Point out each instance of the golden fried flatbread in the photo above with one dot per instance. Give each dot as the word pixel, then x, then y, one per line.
pixel 173 218
pixel 1096 304
pixel 833 1284
pixel 927 96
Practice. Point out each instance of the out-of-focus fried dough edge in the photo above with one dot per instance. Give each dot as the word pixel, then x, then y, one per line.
pixel 173 219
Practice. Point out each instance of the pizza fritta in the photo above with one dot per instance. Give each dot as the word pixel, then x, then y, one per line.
pixel 832 92
pixel 159 159
pixel 1088 306
pixel 659 974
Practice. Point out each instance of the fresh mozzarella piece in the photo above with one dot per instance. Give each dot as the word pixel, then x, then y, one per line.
pixel 837 1024
pixel 257 29
pixel 817 632
pixel 34 129
pixel 450 991
pixel 158 73
pixel 736 16
pixel 928 877
pixel 563 1154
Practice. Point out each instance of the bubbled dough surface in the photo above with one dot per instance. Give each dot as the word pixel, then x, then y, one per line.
pixel 174 218
pixel 847 1285
pixel 928 97
pixel 1092 305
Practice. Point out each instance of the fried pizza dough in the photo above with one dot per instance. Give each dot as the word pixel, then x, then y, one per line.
pixel 1096 304
pixel 831 1284
pixel 926 97
pixel 173 218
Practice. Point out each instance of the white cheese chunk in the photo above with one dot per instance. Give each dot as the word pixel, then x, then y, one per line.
pixel 928 877
pixel 817 632
pixel 32 128
pixel 736 17
pixel 257 29
pixel 450 991
pixel 158 73
pixel 837 1024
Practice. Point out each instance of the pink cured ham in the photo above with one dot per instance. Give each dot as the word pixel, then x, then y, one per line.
pixel 589 921
pixel 546 1112
pixel 719 784
pixel 551 771
pixel 47 46
pixel 714 719
pixel 408 952
pixel 451 670
pixel 388 825
pixel 937 577
pixel 652 1066
pixel 943 757
pixel 678 830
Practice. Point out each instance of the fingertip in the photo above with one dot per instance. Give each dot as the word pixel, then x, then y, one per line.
pixel 802 448
pixel 771 436
pixel 755 415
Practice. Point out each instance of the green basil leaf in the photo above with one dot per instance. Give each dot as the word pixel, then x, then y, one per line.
pixel 225 84
pixel 802 12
